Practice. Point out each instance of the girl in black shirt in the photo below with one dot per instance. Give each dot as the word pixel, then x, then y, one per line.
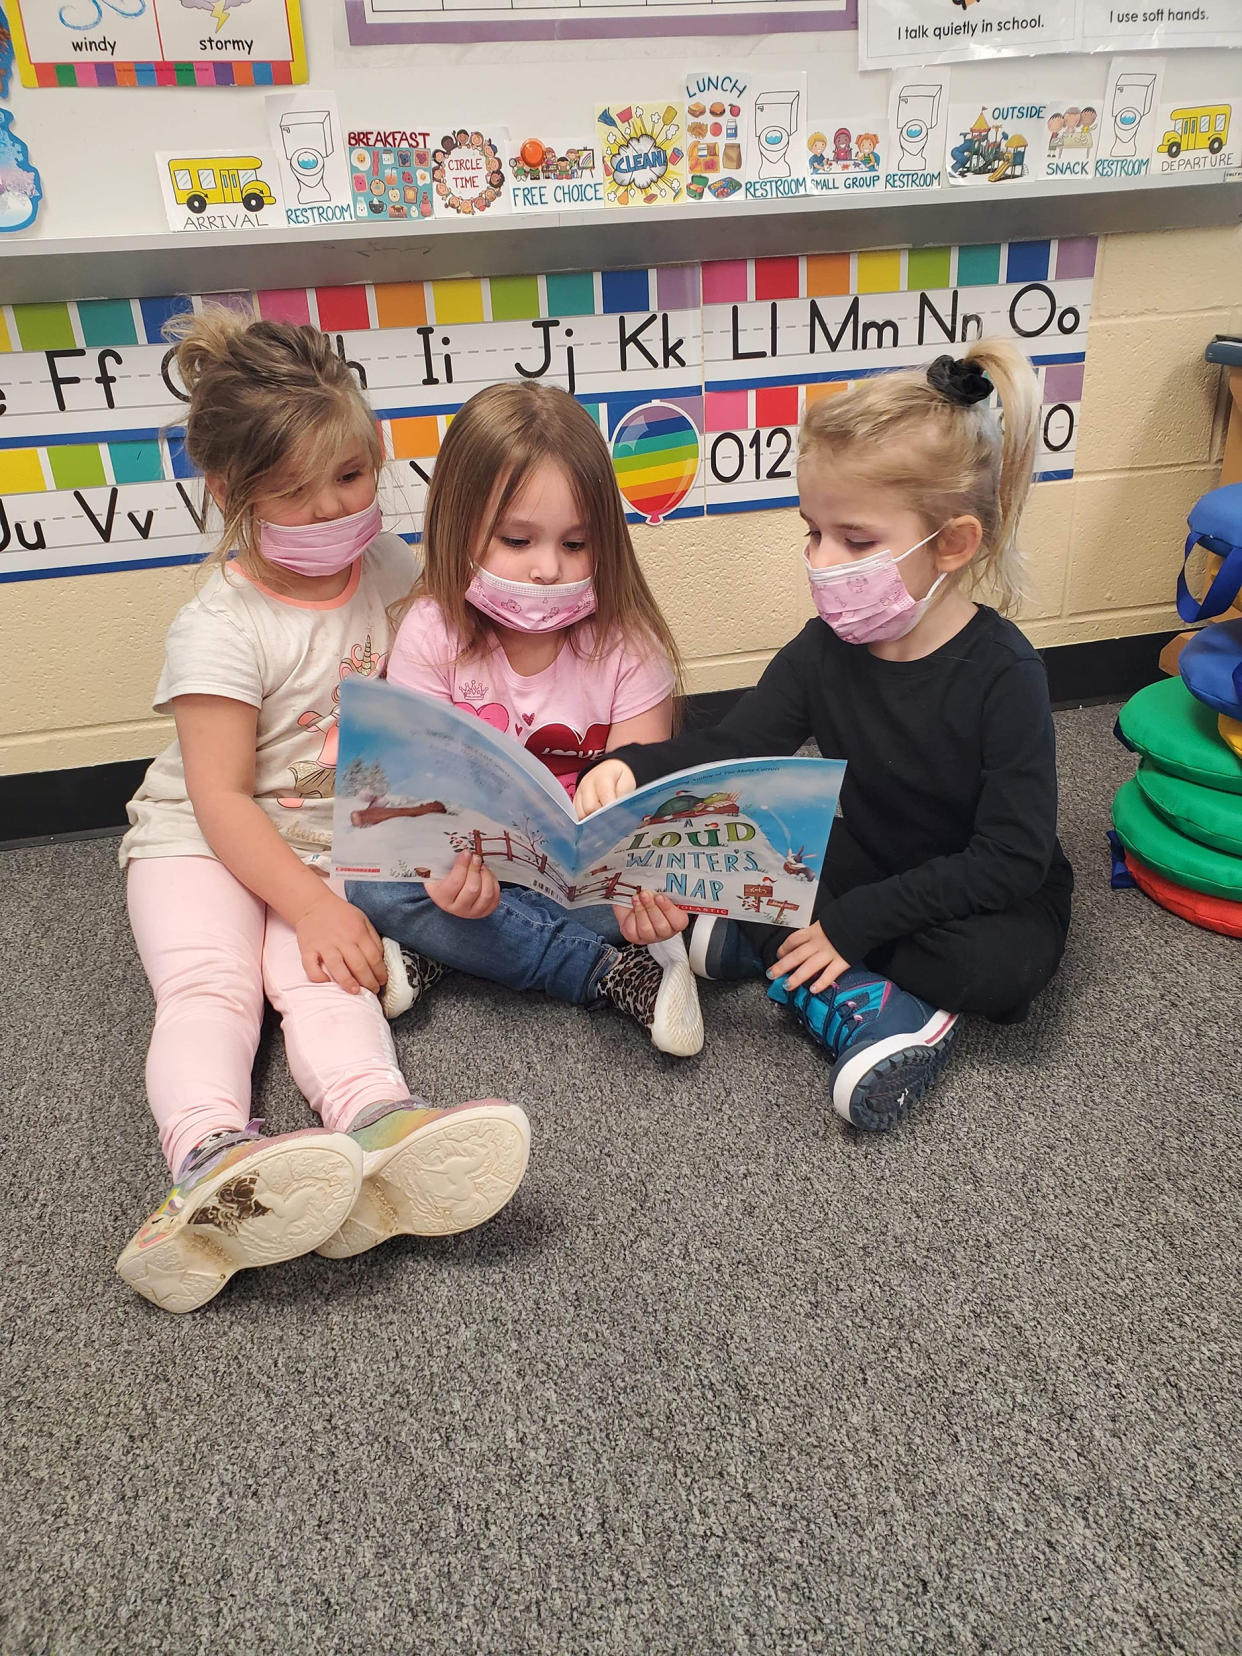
pixel 945 890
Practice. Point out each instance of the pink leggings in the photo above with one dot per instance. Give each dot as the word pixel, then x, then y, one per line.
pixel 211 949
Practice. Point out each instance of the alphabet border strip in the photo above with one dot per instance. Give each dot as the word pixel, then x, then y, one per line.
pixel 88 417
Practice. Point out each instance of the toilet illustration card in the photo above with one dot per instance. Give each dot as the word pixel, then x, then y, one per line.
pixel 550 174
pixel 846 153
pixel 221 190
pixel 918 115
pixel 717 141
pixel 312 157
pixel 779 159
pixel 1128 120
pixel 468 174
pixel 390 175
pixel 642 152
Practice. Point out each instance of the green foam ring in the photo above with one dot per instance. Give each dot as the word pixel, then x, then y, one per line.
pixel 1208 815
pixel 1145 833
pixel 1180 735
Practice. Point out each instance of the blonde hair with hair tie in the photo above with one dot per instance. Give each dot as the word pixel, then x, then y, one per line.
pixel 271 407
pixel 898 431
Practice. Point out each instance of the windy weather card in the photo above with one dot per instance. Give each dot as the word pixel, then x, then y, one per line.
pixel 419 782
pixel 642 148
pixel 716 134
pixel 222 190
pixel 170 43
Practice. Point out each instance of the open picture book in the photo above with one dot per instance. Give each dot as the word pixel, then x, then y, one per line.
pixel 418 781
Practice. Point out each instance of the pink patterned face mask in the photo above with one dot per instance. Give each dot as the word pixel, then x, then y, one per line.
pixel 528 607
pixel 320 548
pixel 868 602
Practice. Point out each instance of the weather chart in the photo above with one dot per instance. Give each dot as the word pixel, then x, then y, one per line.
pixel 696 374
pixel 158 42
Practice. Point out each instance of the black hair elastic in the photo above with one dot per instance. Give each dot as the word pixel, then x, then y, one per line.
pixel 959 381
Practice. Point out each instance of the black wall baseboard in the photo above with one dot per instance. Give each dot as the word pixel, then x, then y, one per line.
pixel 43 805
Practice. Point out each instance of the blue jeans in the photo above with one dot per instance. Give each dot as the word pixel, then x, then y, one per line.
pixel 527 942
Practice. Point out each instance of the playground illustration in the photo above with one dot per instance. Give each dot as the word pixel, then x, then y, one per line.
pixel 988 153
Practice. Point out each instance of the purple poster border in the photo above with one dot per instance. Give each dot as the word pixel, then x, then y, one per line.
pixel 815 18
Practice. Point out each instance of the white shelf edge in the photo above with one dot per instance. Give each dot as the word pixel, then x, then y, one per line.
pixel 137 267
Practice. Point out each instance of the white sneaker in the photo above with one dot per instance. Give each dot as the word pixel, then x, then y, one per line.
pixel 677 1026
pixel 410 975
pixel 428 1172
pixel 258 1202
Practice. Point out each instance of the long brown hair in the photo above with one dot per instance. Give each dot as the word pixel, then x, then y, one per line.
pixel 492 446
pixel 897 430
pixel 269 401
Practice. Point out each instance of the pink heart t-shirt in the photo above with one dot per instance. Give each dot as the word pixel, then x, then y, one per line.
pixel 563 715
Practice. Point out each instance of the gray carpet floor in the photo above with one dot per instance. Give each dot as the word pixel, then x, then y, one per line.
pixel 725 1377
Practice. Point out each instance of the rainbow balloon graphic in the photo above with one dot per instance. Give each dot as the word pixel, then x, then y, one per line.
pixel 655 454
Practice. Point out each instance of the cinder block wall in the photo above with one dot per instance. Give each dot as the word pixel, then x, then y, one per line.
pixel 84 653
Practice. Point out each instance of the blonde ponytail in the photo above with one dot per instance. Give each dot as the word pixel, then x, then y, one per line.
pixel 999 562
pixel 947 457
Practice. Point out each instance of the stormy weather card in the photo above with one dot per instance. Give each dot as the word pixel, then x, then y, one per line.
pixel 643 152
pixel 166 43
pixel 419 781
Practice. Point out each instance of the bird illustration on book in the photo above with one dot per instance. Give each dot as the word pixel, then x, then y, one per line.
pixel 795 865
pixel 694 805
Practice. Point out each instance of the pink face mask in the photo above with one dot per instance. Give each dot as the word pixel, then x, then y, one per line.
pixel 867 602
pixel 527 607
pixel 320 548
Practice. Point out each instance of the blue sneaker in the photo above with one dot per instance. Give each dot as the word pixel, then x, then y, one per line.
pixel 887 1046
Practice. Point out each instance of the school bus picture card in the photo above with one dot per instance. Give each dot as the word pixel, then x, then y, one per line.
pixel 220 190
pixel 158 42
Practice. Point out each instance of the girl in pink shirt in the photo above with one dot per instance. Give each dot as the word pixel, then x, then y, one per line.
pixel 532 613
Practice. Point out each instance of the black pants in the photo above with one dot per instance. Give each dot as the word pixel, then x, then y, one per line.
pixel 988 965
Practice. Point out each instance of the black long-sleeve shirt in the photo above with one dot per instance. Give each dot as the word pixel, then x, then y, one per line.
pixel 950 784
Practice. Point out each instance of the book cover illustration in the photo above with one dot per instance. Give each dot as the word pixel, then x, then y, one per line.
pixel 419 781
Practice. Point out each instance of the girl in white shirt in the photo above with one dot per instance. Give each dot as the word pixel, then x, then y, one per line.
pixel 229 832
